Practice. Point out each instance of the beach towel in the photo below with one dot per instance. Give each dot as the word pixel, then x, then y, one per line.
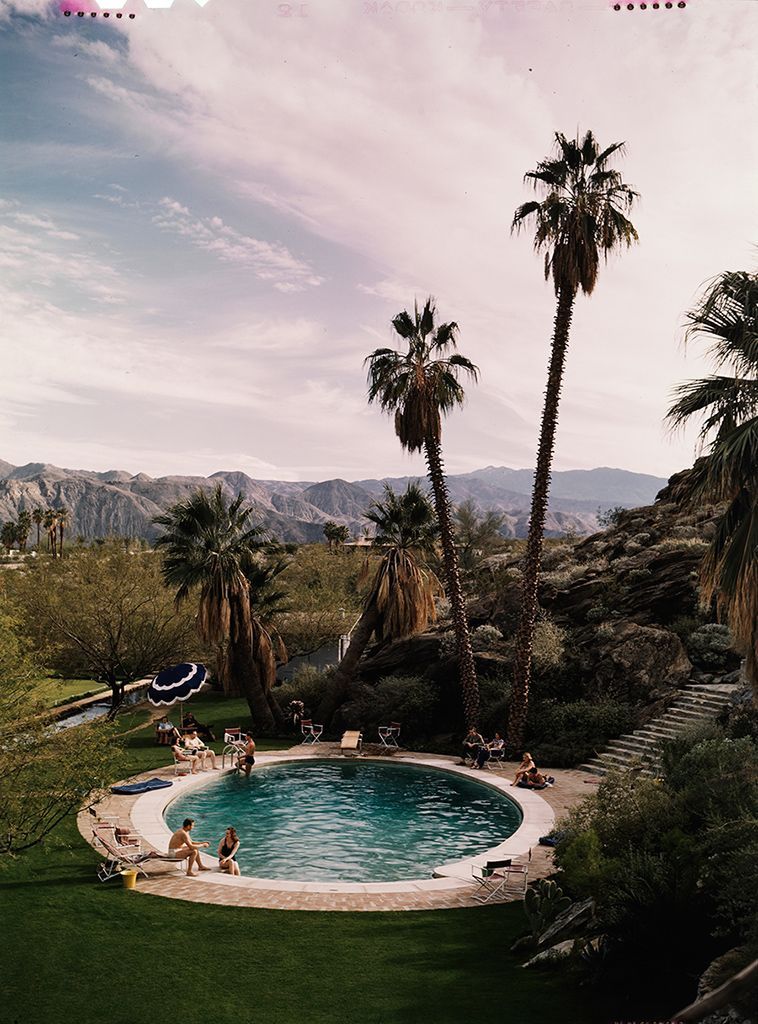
pixel 141 787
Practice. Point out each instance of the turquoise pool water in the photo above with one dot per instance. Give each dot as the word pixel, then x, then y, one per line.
pixel 350 822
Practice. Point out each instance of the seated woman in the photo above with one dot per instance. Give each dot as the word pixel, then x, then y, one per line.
pixel 526 766
pixel 227 852
pixel 485 753
pixel 194 745
pixel 183 755
pixel 204 731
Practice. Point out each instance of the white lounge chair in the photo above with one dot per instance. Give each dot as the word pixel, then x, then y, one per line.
pixel 351 742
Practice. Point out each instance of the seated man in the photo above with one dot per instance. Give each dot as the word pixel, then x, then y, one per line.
pixel 190 722
pixel 484 753
pixel 471 745
pixel 165 732
pixel 183 755
pixel 181 847
pixel 194 745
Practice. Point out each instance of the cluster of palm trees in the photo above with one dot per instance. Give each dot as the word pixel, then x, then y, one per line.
pixel 580 219
pixel 55 520
pixel 336 534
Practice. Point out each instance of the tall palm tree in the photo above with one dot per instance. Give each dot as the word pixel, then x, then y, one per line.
pixel 38 518
pixel 400 600
pixel 23 528
pixel 210 545
pixel 580 217
pixel 8 536
pixel 51 523
pixel 727 403
pixel 61 514
pixel 420 385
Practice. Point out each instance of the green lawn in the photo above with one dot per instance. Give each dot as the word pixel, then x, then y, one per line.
pixel 52 691
pixel 79 951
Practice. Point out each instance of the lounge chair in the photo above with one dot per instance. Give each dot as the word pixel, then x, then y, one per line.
pixel 351 742
pixel 124 850
pixel 496 758
pixel 311 733
pixel 389 735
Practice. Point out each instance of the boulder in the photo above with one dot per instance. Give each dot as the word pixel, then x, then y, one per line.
pixel 640 664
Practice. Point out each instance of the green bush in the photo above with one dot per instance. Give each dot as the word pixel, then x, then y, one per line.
pixel 710 646
pixel 412 701
pixel 672 863
pixel 308 685
pixel 564 734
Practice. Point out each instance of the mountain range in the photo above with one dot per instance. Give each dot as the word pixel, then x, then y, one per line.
pixel 116 503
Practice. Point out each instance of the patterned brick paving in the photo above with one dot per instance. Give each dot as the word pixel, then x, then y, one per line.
pixel 168 881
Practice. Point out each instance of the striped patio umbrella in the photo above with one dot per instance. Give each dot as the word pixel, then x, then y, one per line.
pixel 177 684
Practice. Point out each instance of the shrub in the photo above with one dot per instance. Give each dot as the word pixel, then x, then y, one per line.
pixel 710 646
pixel 597 613
pixel 563 735
pixel 410 700
pixel 548 646
pixel 448 645
pixel 484 638
pixel 681 544
pixel 308 685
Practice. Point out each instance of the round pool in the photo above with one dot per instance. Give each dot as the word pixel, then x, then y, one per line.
pixel 348 821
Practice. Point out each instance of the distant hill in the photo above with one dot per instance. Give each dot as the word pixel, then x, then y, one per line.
pixel 117 503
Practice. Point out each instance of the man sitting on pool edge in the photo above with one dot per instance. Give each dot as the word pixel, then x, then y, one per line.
pixel 181 847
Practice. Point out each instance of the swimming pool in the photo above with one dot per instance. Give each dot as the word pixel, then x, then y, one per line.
pixel 354 821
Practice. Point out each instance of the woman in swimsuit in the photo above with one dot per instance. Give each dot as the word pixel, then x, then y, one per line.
pixel 227 852
pixel 523 769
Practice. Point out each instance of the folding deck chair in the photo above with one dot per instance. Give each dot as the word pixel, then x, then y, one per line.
pixel 497 878
pixel 389 735
pixel 311 733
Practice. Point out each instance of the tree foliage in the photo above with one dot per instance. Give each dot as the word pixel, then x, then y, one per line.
pixel 44 775
pixel 102 613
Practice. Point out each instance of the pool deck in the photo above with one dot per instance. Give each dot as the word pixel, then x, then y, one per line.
pixel 452 886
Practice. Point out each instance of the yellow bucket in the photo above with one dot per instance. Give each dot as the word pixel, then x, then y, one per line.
pixel 129 878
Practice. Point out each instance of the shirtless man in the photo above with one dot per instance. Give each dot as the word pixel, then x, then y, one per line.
pixel 247 755
pixel 181 847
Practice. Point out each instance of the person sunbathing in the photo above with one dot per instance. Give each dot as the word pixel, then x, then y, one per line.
pixel 182 755
pixel 526 766
pixel 182 847
pixel 534 779
pixel 194 745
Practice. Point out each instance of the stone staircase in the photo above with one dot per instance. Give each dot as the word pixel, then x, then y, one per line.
pixel 695 704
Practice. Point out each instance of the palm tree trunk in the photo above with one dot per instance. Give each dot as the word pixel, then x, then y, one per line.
pixel 466 668
pixel 245 670
pixel 339 685
pixel 522 669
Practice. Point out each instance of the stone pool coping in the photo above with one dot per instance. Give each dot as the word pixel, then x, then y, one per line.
pixel 450 886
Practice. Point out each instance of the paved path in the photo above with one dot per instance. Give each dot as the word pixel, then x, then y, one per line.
pixel 169 881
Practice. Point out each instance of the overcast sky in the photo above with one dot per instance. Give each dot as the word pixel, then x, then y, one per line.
pixel 208 217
